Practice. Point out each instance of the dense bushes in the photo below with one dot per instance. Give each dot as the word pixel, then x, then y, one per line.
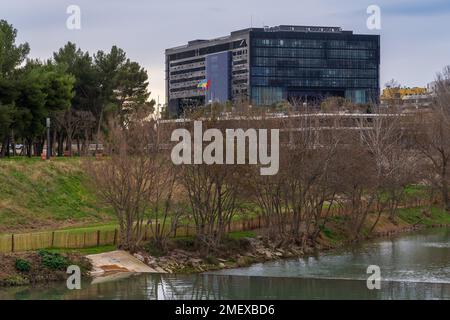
pixel 22 265
pixel 53 261
pixel 32 267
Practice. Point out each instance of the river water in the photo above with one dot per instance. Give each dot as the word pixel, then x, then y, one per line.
pixel 413 266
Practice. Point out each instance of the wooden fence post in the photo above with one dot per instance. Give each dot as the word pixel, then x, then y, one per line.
pixel 84 240
pixel 98 238
pixel 53 239
pixel 12 242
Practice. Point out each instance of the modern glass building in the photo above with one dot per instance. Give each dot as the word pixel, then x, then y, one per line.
pixel 267 65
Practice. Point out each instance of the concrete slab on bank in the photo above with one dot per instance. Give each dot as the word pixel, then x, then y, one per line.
pixel 117 261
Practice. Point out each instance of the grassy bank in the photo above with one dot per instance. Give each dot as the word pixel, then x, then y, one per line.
pixel 40 195
pixel 55 195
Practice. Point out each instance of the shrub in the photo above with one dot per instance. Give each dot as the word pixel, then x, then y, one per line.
pixel 153 250
pixel 185 243
pixel 14 280
pixel 211 260
pixel 53 261
pixel 237 245
pixel 22 265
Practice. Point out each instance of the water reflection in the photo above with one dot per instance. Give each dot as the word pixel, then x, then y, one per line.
pixel 418 257
pixel 204 287
pixel 414 267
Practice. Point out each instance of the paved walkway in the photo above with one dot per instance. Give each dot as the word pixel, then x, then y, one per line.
pixel 117 261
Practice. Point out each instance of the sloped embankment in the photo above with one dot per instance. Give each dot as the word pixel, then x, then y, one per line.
pixel 37 195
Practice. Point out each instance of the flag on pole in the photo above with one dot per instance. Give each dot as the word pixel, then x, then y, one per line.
pixel 204 84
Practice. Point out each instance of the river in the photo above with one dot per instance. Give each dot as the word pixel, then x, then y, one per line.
pixel 413 266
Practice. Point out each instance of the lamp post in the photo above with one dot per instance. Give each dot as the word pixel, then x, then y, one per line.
pixel 49 150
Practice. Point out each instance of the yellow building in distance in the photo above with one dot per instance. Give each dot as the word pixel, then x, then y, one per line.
pixel 407 97
pixel 399 93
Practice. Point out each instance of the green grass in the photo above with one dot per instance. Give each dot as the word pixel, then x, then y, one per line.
pixel 327 205
pixel 37 195
pixel 241 234
pixel 84 251
pixel 415 216
pixel 418 191
pixel 40 195
pixel 236 235
pixel 95 227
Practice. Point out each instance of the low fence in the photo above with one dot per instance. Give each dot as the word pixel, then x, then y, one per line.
pixel 56 239
pixel 68 239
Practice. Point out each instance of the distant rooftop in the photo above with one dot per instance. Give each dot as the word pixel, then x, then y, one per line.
pixel 303 29
pixel 281 28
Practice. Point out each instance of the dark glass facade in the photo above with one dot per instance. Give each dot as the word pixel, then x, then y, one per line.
pixel 268 65
pixel 313 65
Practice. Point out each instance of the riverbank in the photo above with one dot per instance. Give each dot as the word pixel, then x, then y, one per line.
pixel 245 249
pixel 414 267
pixel 17 269
pixel 240 249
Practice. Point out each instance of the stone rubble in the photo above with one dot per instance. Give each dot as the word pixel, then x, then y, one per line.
pixel 182 261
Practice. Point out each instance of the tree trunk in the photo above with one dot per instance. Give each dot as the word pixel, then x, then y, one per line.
pixel 13 143
pixel 4 147
pixel 445 196
pixel 28 144
pixel 69 144
pixel 98 130
pixel 78 147
pixel 60 144
pixel 8 140
pixel 53 141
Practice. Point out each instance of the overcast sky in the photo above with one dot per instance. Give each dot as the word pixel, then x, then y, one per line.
pixel 415 36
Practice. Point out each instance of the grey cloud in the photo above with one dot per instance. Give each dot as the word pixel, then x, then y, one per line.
pixel 145 28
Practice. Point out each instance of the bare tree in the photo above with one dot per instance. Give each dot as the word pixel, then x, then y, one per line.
pixel 267 194
pixel 292 202
pixel 212 193
pixel 165 214
pixel 68 122
pixel 394 164
pixel 433 138
pixel 85 131
pixel 137 180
